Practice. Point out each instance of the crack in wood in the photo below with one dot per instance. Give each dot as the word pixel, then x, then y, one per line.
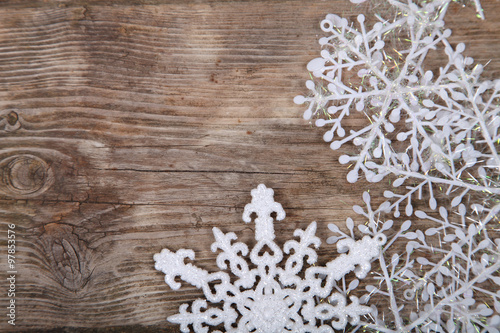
pixel 198 171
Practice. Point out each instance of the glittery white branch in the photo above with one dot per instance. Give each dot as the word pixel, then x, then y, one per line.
pixel 437 131
pixel 452 118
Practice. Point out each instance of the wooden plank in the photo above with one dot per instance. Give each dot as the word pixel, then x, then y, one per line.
pixel 131 126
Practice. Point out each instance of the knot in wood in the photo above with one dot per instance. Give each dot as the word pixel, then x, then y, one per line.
pixel 12 118
pixel 10 122
pixel 25 175
pixel 68 256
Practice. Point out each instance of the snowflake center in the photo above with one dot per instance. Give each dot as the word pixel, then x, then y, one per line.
pixel 270 307
pixel 271 311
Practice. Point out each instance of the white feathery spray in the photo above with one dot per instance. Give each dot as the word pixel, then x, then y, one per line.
pixel 437 132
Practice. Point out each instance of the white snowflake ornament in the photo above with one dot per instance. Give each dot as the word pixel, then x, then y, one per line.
pixel 270 298
pixel 433 127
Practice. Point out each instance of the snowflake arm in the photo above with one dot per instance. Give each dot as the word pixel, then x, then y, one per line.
pixel 173 265
pixel 237 264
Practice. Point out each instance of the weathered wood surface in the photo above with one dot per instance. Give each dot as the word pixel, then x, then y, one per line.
pixel 131 126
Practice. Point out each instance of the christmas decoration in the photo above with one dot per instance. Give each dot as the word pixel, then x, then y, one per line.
pixel 436 131
pixel 270 298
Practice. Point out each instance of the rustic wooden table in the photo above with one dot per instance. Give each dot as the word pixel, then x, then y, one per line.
pixel 129 126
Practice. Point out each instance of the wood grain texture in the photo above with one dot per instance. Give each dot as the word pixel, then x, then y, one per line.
pixel 131 126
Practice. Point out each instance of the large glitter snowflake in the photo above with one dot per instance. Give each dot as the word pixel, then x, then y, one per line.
pixel 270 298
